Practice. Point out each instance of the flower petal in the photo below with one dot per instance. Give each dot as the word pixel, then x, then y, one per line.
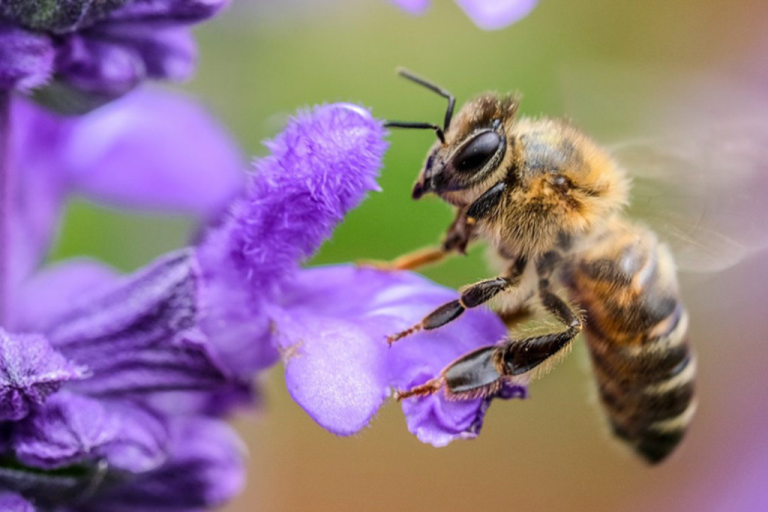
pixel 413 6
pixel 30 371
pixel 205 470
pixel 112 155
pixel 51 292
pixel 71 429
pixel 169 11
pixel 322 165
pixel 332 336
pixel 26 58
pixel 333 370
pixel 496 14
pixel 14 503
pixel 140 334
pixel 36 143
pixel 98 66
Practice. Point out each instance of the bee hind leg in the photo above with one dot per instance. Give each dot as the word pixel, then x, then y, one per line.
pixel 523 356
pixel 473 375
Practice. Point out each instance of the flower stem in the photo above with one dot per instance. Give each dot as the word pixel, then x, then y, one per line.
pixel 6 196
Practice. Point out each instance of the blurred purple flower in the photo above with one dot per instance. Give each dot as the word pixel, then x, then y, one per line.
pixel 103 48
pixel 79 389
pixel 149 150
pixel 10 502
pixel 487 14
pixel 204 469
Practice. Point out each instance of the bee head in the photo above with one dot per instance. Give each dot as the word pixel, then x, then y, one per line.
pixel 470 158
pixel 469 148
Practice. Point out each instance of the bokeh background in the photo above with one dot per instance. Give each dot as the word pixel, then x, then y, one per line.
pixel 263 60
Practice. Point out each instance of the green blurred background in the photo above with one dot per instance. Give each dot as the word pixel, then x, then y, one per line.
pixel 262 60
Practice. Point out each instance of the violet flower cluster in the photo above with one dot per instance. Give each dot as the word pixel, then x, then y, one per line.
pixel 103 48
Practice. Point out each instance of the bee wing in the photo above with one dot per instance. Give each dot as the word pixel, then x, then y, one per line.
pixel 701 181
pixel 705 192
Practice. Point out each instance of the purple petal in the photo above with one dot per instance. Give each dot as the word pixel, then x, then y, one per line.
pixel 205 470
pixel 30 371
pixel 140 334
pixel 14 503
pixel 51 292
pixel 112 155
pixel 496 14
pixel 99 66
pixel 26 58
pixel 216 402
pixel 169 11
pixel 332 369
pixel 39 195
pixel 71 429
pixel 236 323
pixel 415 7
pixel 321 166
pixel 332 332
pixel 165 53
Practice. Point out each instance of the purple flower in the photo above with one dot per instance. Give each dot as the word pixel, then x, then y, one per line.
pixel 487 14
pixel 30 370
pixel 204 470
pixel 331 330
pixel 103 48
pixel 80 393
pixel 10 502
pixel 112 156
pixel 329 325
pixel 86 354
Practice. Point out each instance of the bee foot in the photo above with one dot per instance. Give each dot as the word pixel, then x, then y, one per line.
pixel 402 334
pixel 428 388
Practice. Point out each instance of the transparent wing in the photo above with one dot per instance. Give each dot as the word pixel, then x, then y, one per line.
pixel 701 182
pixel 705 193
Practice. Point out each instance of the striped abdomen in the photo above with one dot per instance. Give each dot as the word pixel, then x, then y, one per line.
pixel 637 334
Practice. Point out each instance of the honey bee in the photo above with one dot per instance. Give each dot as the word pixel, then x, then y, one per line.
pixel 551 204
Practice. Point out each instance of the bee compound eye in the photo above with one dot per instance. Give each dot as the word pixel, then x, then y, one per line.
pixel 476 153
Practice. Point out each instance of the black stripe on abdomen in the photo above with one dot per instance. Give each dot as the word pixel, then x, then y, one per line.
pixel 647 391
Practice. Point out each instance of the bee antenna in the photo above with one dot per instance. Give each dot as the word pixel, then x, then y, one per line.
pixel 417 126
pixel 434 88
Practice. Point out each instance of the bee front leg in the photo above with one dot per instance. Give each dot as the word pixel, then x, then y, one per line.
pixel 456 239
pixel 471 297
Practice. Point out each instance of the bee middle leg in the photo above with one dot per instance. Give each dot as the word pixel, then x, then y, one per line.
pixel 483 371
pixel 471 297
